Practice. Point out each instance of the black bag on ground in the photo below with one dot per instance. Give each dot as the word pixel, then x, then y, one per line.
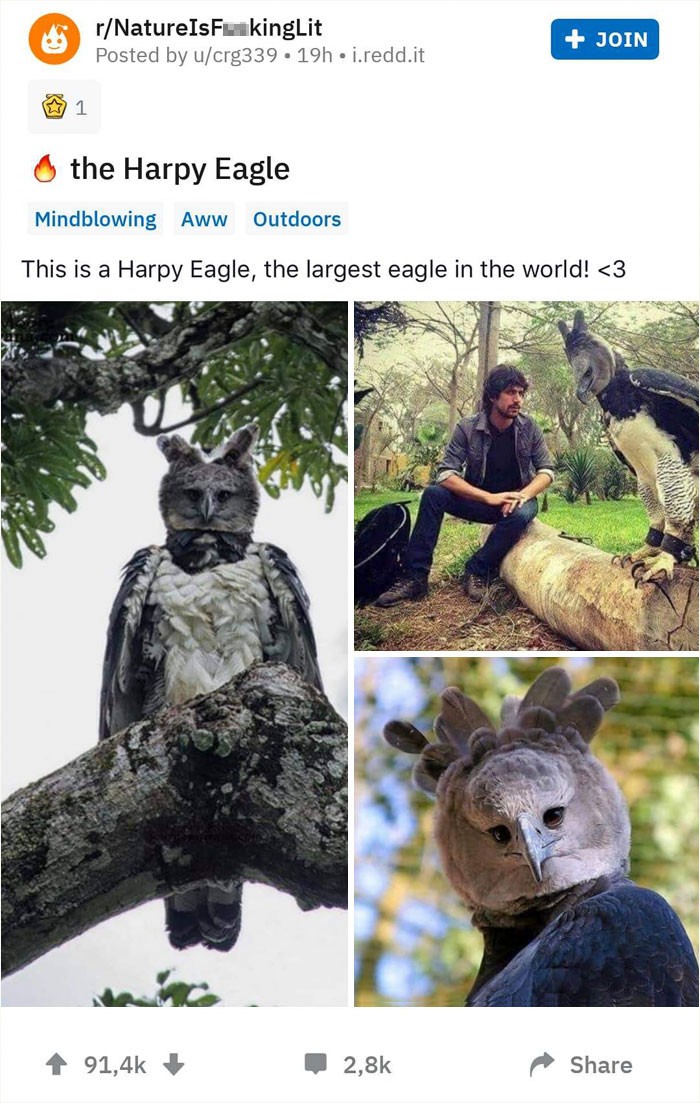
pixel 380 542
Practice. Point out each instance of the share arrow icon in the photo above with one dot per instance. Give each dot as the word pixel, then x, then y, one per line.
pixel 56 1062
pixel 173 1065
pixel 546 1059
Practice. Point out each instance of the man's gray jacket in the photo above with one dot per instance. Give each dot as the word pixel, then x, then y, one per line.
pixel 468 451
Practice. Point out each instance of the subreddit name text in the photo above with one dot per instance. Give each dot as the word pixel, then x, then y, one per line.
pixel 288 31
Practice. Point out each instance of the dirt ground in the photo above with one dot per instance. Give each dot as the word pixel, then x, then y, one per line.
pixel 448 621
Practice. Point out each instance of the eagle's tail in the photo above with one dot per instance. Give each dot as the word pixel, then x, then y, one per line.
pixel 210 915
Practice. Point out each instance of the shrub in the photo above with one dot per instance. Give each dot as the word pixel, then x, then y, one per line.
pixel 613 479
pixel 579 467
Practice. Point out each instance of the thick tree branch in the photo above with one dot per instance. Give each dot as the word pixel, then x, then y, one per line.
pixel 178 354
pixel 248 782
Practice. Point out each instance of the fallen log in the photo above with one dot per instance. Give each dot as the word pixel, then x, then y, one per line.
pixel 578 591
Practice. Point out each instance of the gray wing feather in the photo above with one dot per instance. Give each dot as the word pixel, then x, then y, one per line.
pixel 666 384
pixel 293 637
pixel 126 669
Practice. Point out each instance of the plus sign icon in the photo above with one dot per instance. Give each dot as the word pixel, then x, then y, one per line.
pixel 575 39
pixel 605 39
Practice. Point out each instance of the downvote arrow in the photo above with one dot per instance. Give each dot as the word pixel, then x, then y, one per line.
pixel 173 1065
pixel 546 1059
pixel 56 1062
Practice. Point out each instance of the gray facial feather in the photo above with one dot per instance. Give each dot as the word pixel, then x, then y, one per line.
pixel 516 790
pixel 460 713
pixel 549 690
pixel 217 493
pixel 526 813
pixel 509 708
pixel 585 714
pixel 405 737
pixel 591 358
pixel 605 689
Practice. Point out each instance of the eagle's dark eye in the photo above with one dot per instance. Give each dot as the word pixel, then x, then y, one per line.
pixel 501 834
pixel 553 817
pixel 193 493
pixel 223 495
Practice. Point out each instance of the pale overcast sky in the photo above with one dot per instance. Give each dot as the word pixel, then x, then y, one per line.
pixel 54 622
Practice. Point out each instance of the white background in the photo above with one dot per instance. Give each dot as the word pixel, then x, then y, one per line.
pixel 491 148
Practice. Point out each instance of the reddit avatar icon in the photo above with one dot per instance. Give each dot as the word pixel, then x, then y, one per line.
pixel 54 38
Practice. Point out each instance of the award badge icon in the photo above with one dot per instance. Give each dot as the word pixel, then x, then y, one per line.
pixel 54 105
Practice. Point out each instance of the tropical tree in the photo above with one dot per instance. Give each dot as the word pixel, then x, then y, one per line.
pixel 282 365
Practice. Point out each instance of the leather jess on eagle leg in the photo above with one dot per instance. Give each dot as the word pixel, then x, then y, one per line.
pixel 578 592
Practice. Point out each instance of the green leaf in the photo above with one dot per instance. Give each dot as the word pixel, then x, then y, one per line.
pixel 32 540
pixel 177 993
pixel 11 541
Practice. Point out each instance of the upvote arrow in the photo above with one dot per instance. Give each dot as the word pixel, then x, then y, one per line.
pixel 173 1065
pixel 56 1063
pixel 546 1059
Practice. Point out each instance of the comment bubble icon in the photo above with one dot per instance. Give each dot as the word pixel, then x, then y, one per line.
pixel 315 1062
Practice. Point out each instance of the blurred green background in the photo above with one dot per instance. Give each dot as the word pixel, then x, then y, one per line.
pixel 414 942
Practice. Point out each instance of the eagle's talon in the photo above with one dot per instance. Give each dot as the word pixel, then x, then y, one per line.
pixel 655 582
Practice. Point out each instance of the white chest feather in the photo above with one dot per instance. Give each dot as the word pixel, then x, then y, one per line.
pixel 642 443
pixel 210 625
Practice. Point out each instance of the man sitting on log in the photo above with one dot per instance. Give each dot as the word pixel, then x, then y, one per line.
pixel 495 466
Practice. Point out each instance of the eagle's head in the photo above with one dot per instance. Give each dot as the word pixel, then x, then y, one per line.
pixel 529 821
pixel 591 358
pixel 525 813
pixel 212 492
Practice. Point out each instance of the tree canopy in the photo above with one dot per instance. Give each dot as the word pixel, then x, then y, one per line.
pixel 281 365
pixel 417 354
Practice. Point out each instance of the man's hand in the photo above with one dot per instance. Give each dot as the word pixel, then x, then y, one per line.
pixel 507 500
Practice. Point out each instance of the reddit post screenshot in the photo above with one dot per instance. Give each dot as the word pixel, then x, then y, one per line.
pixel 378 827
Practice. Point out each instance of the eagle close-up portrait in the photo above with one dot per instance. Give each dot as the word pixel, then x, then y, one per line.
pixel 557 866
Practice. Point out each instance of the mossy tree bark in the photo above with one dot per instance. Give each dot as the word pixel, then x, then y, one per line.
pixel 247 782
pixel 175 351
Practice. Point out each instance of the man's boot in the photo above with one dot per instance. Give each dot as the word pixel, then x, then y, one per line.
pixel 475 587
pixel 406 588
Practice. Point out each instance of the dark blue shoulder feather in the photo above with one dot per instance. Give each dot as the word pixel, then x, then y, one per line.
pixel 622 948
pixel 294 641
pixel 123 682
pixel 666 384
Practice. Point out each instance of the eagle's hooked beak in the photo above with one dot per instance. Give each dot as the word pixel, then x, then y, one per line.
pixel 534 847
pixel 583 393
pixel 208 506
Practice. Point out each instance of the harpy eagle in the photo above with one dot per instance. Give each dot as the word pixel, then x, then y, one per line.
pixel 652 422
pixel 534 836
pixel 193 613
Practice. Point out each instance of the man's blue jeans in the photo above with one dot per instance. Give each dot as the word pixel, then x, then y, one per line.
pixel 436 502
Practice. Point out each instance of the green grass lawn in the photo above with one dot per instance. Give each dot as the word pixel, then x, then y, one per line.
pixel 615 527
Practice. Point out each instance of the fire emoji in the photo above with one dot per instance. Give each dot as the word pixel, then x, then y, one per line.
pixel 44 170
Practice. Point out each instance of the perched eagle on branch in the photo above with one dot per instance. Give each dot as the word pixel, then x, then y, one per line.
pixel 652 422
pixel 193 613
pixel 534 836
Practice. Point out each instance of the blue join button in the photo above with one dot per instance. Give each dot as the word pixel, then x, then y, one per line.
pixel 602 39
